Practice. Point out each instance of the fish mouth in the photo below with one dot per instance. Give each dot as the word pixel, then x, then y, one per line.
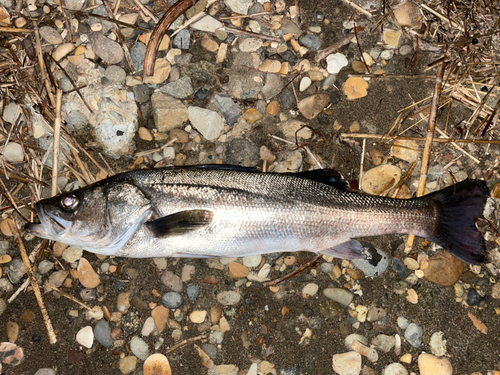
pixel 50 225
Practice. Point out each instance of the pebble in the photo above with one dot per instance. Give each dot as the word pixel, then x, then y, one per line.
pixel 161 72
pixel 11 354
pixel 13 152
pixel 157 364
pixel 305 82
pixel 431 365
pixel 172 300
pixel 273 107
pixel 127 364
pixel 384 343
pixel 62 50
pixel 355 88
pixel 180 89
pixel 193 292
pixel 413 334
pixel 238 271
pixel 310 290
pixel 50 35
pixel 438 344
pixel 72 254
pixel 495 291
pixel 13 331
pixel 312 106
pixel 391 38
pixel 172 281
pixel 85 337
pixel 86 274
pixel 198 316
pixel 210 45
pixel 387 54
pixel 123 302
pixel 347 363
pixel 102 333
pixel 208 24
pixel 210 349
pixel 139 347
pixel 228 298
pixel 230 110
pixel 395 369
pixel 442 269
pixel 209 123
pixel 137 53
pixel 405 50
pixel 115 74
pixel 160 316
pixel 168 112
pixel 375 263
pixel 145 134
pixel 3 305
pixel 16 270
pixel 311 41
pixel 148 327
pixel 43 371
pixel 408 15
pixel 335 62
pixel 400 268
pixel 6 258
pixel 250 44
pixel 108 50
pixel 182 40
pixel 473 297
pixel 253 260
pixel 45 266
pixel 216 337
pixel 57 278
pixel 407 150
pixel 352 337
pixel 342 296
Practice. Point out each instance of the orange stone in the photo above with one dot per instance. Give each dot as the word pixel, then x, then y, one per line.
pixel 273 107
pixel 160 316
pixel 86 274
pixel 355 88
pixel 238 271
pixel 252 115
pixel 442 269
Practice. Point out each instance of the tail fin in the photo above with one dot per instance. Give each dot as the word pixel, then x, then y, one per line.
pixel 460 206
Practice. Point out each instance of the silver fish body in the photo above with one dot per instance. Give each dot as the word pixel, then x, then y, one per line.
pixel 204 212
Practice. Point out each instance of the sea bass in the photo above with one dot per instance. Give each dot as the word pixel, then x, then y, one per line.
pixel 210 211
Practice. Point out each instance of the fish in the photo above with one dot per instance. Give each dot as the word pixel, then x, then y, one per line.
pixel 225 211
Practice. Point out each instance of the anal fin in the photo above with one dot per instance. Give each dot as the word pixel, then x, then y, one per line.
pixel 351 249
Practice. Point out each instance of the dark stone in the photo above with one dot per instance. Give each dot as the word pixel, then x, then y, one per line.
pixel 287 99
pixel 400 268
pixel 240 150
pixel 201 94
pixel 473 297
pixel 290 57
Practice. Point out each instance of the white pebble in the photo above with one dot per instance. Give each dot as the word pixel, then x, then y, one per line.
pixel 13 152
pixel 85 337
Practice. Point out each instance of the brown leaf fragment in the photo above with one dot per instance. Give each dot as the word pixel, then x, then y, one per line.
pixel 481 327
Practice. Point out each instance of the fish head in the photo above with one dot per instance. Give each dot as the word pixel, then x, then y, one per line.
pixel 100 218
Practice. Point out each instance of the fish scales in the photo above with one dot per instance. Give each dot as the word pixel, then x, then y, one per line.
pixel 202 212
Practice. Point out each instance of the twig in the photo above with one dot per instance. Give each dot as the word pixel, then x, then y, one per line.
pixel 112 20
pixel 238 16
pixel 57 142
pixel 190 21
pixel 148 152
pixel 401 182
pixel 14 30
pixel 42 66
pixel 457 146
pixel 329 50
pixel 161 28
pixel 445 19
pixel 185 342
pixel 145 10
pixel 34 283
pixel 19 290
pixel 361 163
pixel 372 75
pixel 419 139
pixel 428 144
pixel 70 297
pixel 358 8
pixel 250 34
pixel 293 273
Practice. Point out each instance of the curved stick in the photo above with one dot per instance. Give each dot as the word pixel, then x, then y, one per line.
pixel 161 27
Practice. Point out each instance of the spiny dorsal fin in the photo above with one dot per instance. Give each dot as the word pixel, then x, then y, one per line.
pixel 180 222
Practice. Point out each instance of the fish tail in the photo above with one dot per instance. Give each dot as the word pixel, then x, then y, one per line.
pixel 460 205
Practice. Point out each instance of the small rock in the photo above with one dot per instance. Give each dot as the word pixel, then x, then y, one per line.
pixel 208 24
pixel 45 266
pixel 313 105
pixel 407 150
pixel 431 365
pixel 209 123
pixel 376 261
pixel 115 74
pixel 168 112
pixel 13 331
pixel 228 298
pixel 310 290
pixel 198 316
pixel 342 296
pixel 127 364
pixel 193 292
pixel 123 302
pixel 473 297
pixel 413 334
pixel 395 369
pixel 438 344
pixel 86 274
pixel 85 337
pixel 157 364
pixel 347 363
pixel 311 41
pixel 182 40
pixel 274 85
pixel 352 337
pixel 13 152
pixel 239 6
pixel 442 269
pixel 408 15
pixel 62 50
pixel 50 35
pixel 44 371
pixel 145 134
pixel 108 50
pixel 180 89
pixel 172 281
pixel 252 115
pixel 16 270
pixel 148 327
pixel 72 254
pixel 336 62
pixel 139 347
pixel 384 343
pixel 255 260
pixel 238 271
pixel 391 38
pixel 57 278
pixel 172 300
pixel 210 45
pixel 305 82
pixel 102 333
pixel 355 88
pixel 273 107
pixel 400 268
pixel 230 110
pixel 378 180
pixel 387 54
pixel 160 316
pixel 250 44
pixel 11 354
pixel 405 50
pixel 161 72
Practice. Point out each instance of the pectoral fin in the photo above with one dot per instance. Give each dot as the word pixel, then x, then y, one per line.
pixel 351 249
pixel 180 222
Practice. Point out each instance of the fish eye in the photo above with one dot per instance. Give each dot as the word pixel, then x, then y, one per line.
pixel 69 202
